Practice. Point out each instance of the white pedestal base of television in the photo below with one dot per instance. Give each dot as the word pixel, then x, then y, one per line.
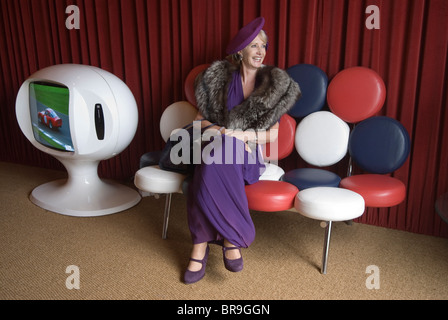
pixel 84 194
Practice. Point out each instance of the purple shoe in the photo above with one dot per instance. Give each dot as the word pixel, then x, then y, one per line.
pixel 194 276
pixel 234 265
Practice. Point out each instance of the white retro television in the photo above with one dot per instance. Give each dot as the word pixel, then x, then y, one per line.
pixel 80 115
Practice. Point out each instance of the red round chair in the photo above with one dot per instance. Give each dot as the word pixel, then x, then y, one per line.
pixel 377 190
pixel 272 195
pixel 378 145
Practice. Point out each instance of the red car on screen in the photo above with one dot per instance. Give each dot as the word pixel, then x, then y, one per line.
pixel 49 118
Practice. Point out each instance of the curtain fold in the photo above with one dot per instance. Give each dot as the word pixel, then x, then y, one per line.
pixel 153 44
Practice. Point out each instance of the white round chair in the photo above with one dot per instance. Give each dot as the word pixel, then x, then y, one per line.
pixel 152 179
pixel 322 140
pixel 354 94
pixel 329 204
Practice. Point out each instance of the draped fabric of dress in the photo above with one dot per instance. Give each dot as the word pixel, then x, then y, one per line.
pixel 217 203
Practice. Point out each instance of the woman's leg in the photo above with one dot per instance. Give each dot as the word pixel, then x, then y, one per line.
pixel 198 253
pixel 217 204
pixel 231 254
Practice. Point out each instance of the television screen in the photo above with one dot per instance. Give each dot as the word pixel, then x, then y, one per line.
pixel 49 106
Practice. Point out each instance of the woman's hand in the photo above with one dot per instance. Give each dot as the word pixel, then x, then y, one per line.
pixel 257 136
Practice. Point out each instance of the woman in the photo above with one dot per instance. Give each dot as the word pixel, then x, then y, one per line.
pixel 245 99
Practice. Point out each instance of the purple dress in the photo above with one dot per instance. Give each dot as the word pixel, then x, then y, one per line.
pixel 217 204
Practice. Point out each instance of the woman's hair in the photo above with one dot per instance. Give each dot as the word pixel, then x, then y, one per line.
pixel 236 57
pixel 263 36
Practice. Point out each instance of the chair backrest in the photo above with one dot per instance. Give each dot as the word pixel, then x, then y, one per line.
pixel 284 144
pixel 189 82
pixel 379 145
pixel 322 138
pixel 313 83
pixel 176 115
pixel 356 94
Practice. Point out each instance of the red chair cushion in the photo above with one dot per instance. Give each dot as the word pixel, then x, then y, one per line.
pixel 283 146
pixel 377 190
pixel 189 82
pixel 271 196
pixel 356 94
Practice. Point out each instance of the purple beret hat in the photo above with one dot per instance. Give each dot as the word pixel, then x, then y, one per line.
pixel 248 33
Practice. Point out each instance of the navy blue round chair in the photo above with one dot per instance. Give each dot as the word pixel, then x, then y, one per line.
pixel 379 146
pixel 313 83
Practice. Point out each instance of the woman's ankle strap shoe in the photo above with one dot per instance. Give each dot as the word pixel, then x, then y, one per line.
pixel 194 276
pixel 234 265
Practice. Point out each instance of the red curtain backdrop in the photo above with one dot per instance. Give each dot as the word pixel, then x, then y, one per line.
pixel 153 44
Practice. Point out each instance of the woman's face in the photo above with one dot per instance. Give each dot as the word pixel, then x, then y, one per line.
pixel 253 55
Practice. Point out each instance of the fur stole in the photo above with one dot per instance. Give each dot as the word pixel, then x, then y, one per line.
pixel 275 94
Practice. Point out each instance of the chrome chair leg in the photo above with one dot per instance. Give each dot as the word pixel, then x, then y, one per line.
pixel 166 215
pixel 326 247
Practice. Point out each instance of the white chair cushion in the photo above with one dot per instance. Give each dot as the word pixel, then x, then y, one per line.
pixel 322 138
pixel 329 204
pixel 155 180
pixel 176 115
pixel 272 172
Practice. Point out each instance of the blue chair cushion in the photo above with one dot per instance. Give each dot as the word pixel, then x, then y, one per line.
pixel 313 83
pixel 305 178
pixel 379 145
